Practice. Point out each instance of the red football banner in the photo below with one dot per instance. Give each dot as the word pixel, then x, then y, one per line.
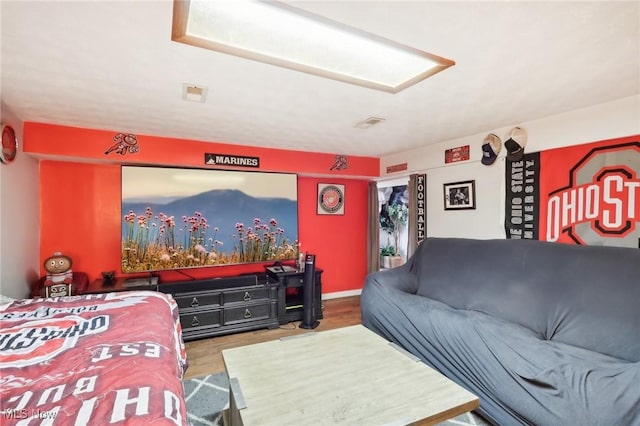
pixel 589 194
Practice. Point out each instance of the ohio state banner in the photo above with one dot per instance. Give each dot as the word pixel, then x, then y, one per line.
pixel 523 197
pixel 586 194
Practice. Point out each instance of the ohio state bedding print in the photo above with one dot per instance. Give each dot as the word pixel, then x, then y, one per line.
pixel 115 358
pixel 586 194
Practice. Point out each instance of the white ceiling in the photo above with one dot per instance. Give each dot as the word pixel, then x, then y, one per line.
pixel 112 65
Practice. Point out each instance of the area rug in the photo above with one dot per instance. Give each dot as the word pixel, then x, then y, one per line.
pixel 207 396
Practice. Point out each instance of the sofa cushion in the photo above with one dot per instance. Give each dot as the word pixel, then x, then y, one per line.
pixel 585 296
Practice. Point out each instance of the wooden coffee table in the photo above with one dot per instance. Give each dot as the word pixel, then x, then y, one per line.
pixel 348 376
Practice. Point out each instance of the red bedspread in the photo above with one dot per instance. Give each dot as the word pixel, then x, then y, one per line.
pixel 115 358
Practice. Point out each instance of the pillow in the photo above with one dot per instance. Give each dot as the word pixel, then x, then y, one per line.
pixel 5 301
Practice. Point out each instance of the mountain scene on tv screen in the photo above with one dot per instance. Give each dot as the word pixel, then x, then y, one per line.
pixel 217 227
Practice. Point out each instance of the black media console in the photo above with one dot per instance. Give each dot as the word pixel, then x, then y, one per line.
pixel 211 307
pixel 216 306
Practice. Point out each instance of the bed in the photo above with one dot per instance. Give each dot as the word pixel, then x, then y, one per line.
pixel 92 359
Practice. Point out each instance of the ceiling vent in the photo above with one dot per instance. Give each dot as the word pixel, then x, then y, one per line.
pixel 193 93
pixel 371 121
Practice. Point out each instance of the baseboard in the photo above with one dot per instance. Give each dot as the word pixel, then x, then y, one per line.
pixel 338 294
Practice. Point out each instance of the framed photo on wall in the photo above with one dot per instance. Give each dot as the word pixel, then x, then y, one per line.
pixel 330 198
pixel 460 195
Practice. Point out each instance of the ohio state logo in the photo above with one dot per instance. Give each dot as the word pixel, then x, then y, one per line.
pixel 39 341
pixel 601 200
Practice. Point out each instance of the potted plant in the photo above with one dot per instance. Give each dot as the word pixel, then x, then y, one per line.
pixel 386 253
pixel 399 214
pixel 392 222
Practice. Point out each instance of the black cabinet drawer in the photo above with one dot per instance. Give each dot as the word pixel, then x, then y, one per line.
pixel 197 299
pixel 200 319
pixel 216 306
pixel 245 295
pixel 248 313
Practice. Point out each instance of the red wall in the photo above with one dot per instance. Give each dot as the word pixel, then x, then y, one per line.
pixel 80 200
pixel 339 242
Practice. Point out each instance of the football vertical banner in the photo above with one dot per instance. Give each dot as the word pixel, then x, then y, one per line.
pixel 522 206
pixel 421 204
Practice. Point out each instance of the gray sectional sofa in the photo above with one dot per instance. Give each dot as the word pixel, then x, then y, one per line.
pixel 543 333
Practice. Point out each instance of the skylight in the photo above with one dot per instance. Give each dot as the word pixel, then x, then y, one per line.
pixel 285 36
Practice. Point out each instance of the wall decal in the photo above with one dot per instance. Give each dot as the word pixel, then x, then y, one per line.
pixel 124 143
pixel 340 163
pixel 211 159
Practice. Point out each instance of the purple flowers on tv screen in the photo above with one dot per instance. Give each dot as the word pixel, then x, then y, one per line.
pixel 175 218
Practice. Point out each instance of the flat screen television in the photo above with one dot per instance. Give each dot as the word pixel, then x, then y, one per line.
pixel 174 218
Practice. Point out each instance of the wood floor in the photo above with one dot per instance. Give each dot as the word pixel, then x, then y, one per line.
pixel 205 356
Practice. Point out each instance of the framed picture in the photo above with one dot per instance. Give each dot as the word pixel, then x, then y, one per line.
pixel 330 198
pixel 460 195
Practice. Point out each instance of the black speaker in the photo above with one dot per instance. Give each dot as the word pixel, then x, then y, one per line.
pixel 308 290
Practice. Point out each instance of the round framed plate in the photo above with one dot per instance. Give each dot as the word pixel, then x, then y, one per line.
pixel 9 144
pixel 330 199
